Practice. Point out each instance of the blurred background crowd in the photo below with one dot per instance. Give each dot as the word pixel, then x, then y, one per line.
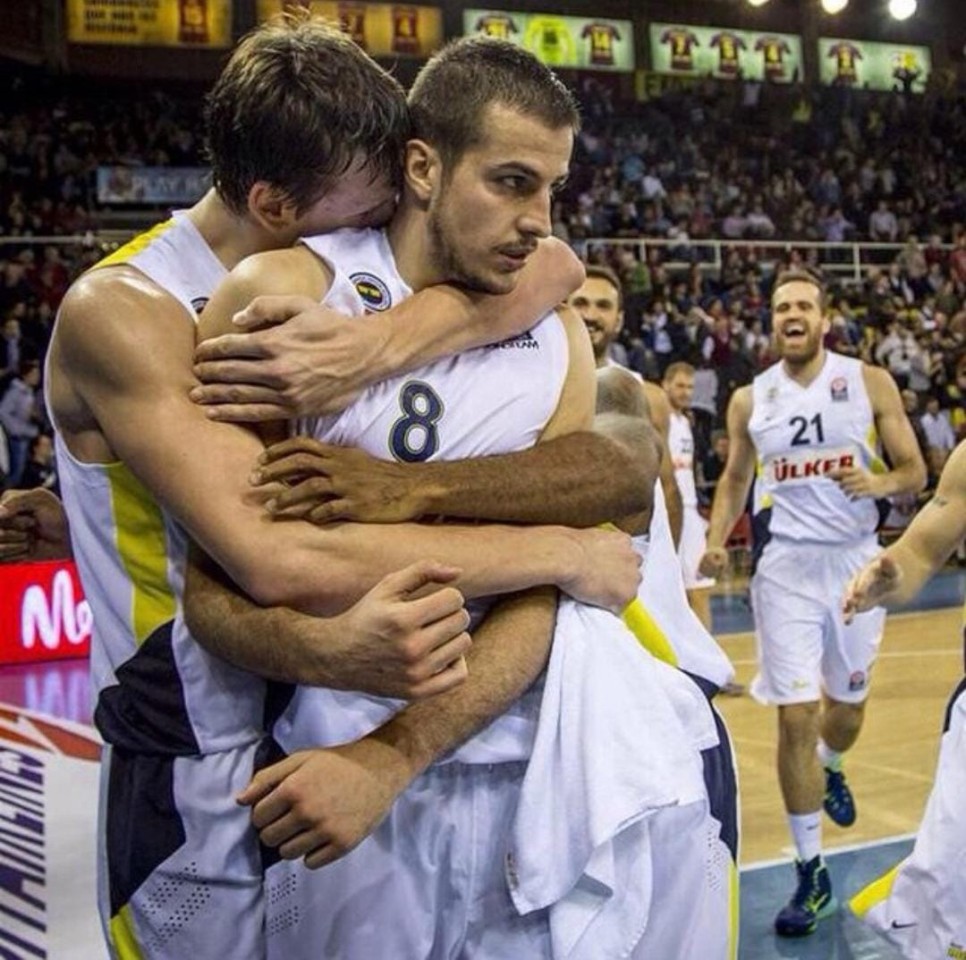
pixel 695 198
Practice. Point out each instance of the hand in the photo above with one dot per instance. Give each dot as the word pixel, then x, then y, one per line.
pixel 405 638
pixel 871 586
pixel 608 572
pixel 856 482
pixel 326 483
pixel 714 562
pixel 293 358
pixel 320 804
pixel 33 527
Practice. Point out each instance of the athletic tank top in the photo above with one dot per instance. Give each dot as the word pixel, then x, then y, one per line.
pixel 681 448
pixel 156 689
pixel 492 400
pixel 801 434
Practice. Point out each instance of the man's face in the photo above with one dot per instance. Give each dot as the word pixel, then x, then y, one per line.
pixel 597 304
pixel 359 199
pixel 798 321
pixel 486 216
pixel 679 390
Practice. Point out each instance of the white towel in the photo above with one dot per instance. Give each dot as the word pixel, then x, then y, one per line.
pixel 609 752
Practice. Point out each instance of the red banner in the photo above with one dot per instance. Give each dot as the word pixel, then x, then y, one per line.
pixel 43 613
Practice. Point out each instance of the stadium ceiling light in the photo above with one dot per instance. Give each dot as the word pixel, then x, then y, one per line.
pixel 834 6
pixel 902 9
pixel 757 3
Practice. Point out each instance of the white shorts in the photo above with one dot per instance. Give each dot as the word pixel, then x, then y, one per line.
pixel 920 905
pixel 179 865
pixel 804 646
pixel 429 883
pixel 691 549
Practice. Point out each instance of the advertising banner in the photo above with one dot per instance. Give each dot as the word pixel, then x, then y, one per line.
pixel 581 43
pixel 43 613
pixel 725 53
pixel 152 23
pixel 164 185
pixel 877 66
pixel 381 29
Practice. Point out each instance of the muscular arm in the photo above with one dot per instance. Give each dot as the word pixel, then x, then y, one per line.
pixel 557 481
pixel 731 494
pixel 660 410
pixel 901 570
pixel 131 366
pixel 318 362
pixel 908 473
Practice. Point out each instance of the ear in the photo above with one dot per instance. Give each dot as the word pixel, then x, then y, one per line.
pixel 423 170
pixel 270 207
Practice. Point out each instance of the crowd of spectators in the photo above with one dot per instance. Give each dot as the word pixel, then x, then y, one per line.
pixel 726 161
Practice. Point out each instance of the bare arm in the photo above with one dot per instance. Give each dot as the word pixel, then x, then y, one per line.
pixel 731 494
pixel 319 804
pixel 901 570
pixel 574 477
pixel 908 473
pixel 660 410
pixel 317 362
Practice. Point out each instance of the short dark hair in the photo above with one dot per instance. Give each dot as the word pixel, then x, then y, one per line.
pixel 294 106
pixel 605 273
pixel 800 275
pixel 619 391
pixel 457 85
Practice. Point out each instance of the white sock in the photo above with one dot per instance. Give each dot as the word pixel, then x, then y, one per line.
pixel 807 832
pixel 830 759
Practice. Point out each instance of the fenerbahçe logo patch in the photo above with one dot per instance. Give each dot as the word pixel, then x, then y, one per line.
pixel 374 293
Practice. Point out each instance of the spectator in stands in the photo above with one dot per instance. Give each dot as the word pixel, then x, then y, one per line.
pixel 940 439
pixel 711 465
pixel 883 226
pixel 896 351
pixel 20 416
pixel 40 470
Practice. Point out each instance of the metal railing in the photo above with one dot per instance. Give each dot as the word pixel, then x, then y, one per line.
pixel 850 261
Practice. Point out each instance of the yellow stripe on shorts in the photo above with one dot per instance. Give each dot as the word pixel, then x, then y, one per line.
pixel 142 548
pixel 123 936
pixel 875 893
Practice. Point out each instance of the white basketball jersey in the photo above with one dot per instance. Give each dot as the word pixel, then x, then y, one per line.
pixel 681 448
pixel 157 690
pixel 800 435
pixel 492 400
pixel 663 596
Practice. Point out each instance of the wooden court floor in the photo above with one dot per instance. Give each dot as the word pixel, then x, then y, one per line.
pixel 891 767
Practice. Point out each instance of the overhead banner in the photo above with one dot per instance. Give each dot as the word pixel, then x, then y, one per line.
pixel 729 54
pixel 164 185
pixel 150 23
pixel 877 66
pixel 381 29
pixel 580 43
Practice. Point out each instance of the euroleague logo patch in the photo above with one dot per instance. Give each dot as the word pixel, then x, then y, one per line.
pixel 857 681
pixel 840 389
pixel 374 293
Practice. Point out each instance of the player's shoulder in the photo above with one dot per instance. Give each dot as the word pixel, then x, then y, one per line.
pixel 293 270
pixel 742 402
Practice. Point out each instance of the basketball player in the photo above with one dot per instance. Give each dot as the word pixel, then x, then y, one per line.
pixel 494 132
pixel 679 386
pixel 143 468
pixel 920 905
pixel 599 303
pixel 810 426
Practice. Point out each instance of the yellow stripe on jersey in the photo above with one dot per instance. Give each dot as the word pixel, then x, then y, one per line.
pixel 875 893
pixel 876 463
pixel 649 635
pixel 734 908
pixel 134 246
pixel 123 936
pixel 142 548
